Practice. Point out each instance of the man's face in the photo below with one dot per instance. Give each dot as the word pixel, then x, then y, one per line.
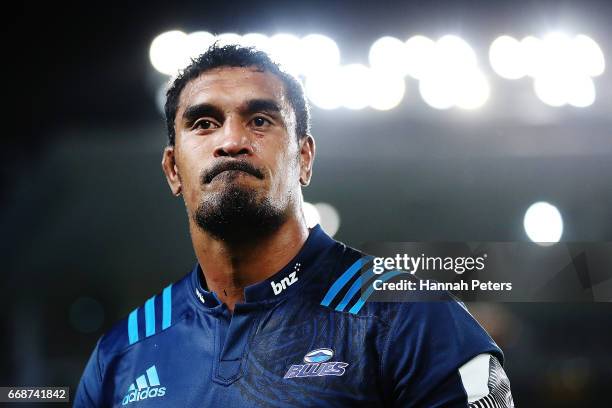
pixel 236 157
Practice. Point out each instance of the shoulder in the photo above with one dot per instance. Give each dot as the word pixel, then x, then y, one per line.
pixel 157 314
pixel 410 315
pixel 349 286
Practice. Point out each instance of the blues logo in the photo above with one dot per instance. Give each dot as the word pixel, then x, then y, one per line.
pixel 317 365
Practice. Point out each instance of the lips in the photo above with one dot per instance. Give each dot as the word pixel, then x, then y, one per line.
pixel 232 172
pixel 234 165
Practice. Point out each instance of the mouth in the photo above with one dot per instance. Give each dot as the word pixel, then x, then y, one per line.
pixel 231 170
pixel 231 174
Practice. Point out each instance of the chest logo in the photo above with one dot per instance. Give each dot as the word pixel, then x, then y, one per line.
pixel 284 283
pixel 146 386
pixel 317 365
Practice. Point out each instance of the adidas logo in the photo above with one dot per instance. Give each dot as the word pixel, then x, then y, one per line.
pixel 147 386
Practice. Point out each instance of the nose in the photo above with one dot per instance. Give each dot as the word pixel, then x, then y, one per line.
pixel 234 140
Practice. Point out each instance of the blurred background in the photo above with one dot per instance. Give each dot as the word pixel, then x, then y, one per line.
pixel 434 121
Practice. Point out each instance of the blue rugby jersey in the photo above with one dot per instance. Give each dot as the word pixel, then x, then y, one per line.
pixel 302 338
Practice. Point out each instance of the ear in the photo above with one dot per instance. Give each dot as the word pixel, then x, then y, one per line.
pixel 307 155
pixel 171 170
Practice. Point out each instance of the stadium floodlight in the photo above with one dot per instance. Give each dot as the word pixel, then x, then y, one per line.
pixel 311 214
pixel 319 53
pixel 438 90
pixel 389 54
pixel 580 91
pixel 169 52
pixel 562 67
pixel 472 90
pixel 453 77
pixel 257 40
pixel 556 56
pixel 198 42
pixel 507 57
pixel 419 55
pixel 454 53
pixel 532 54
pixel 386 91
pixel 322 89
pixel 355 84
pixel 447 69
pixel 588 55
pixel 551 89
pixel 286 50
pixel 543 223
pixel 330 219
pixel 558 90
pixel 228 39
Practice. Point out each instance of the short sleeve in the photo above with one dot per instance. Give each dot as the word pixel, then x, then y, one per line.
pixel 428 342
pixel 89 391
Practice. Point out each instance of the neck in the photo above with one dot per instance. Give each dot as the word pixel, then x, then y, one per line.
pixel 228 268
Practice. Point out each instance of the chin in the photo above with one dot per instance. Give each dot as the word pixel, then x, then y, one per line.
pixel 238 214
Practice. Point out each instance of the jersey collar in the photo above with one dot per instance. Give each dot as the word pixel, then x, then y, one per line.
pixel 286 281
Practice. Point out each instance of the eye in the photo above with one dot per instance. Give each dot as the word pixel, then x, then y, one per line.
pixel 205 125
pixel 260 121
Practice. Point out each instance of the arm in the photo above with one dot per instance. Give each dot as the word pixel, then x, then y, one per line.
pixel 432 352
pixel 89 392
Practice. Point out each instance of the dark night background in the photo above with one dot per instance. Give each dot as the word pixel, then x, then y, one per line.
pixel 90 229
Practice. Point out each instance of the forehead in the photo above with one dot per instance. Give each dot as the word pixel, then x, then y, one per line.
pixel 232 86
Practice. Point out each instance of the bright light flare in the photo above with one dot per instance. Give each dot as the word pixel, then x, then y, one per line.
pixel 543 223
pixel 532 54
pixel 286 50
pixel 588 55
pixel 169 52
pixel 198 42
pixel 355 84
pixel 322 89
pixel 454 52
pixel 228 39
pixel 472 91
pixel 386 91
pixel 257 40
pixel 420 53
pixel 388 54
pixel 311 214
pixel 320 53
pixel 507 57
pixel 330 219
pixel 581 91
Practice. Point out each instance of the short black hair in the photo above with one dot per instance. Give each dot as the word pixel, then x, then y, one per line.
pixel 235 55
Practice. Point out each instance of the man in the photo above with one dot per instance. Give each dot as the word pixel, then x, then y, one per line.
pixel 271 314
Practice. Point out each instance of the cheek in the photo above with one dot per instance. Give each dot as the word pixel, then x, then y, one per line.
pixel 190 171
pixel 288 167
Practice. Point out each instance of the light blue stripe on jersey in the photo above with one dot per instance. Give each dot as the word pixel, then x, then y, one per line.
pixel 354 289
pixel 150 316
pixel 343 279
pixel 362 299
pixel 167 307
pixel 133 326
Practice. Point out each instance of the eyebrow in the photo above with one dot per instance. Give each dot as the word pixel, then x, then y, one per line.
pixel 260 105
pixel 194 112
